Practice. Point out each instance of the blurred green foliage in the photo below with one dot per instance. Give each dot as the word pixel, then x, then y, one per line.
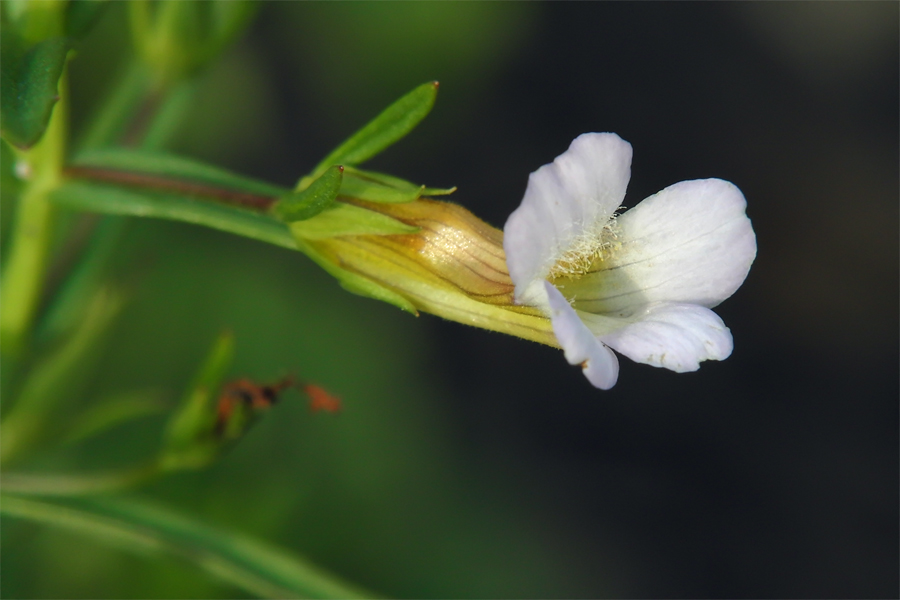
pixel 747 483
pixel 360 492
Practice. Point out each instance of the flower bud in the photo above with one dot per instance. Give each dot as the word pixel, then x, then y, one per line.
pixel 440 259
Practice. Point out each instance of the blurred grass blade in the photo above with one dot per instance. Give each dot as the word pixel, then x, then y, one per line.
pixel 78 484
pixel 392 124
pixel 252 565
pixel 58 377
pixel 81 15
pixel 120 200
pixel 112 118
pixel 173 167
pixel 67 305
pixel 29 79
pixel 114 411
pixel 305 204
pixel 138 114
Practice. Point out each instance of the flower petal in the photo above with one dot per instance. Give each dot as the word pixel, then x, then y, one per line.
pixel 576 192
pixel 692 242
pixel 601 367
pixel 675 336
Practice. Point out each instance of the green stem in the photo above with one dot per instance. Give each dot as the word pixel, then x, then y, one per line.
pixel 24 271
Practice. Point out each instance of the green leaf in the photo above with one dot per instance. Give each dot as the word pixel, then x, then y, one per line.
pixel 347 219
pixel 378 187
pixel 321 193
pixel 175 167
pixel 252 565
pixel 392 124
pixel 28 86
pixel 119 200
pixel 188 440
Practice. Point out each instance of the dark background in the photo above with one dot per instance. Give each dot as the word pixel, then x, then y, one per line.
pixel 471 464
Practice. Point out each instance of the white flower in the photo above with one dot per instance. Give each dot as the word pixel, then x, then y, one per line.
pixel 641 283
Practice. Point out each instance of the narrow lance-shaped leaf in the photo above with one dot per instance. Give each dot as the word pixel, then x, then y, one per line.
pixel 28 86
pixel 305 204
pixel 120 200
pixel 142 163
pixel 251 565
pixel 392 124
pixel 196 414
pixel 189 442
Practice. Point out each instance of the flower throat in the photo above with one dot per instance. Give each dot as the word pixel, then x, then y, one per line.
pixel 592 246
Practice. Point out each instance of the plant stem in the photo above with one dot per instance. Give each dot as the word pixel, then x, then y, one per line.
pixel 24 271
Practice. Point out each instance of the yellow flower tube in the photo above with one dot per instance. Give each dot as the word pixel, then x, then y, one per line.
pixel 450 264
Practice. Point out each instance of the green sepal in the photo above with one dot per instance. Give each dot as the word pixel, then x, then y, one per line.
pixel 392 124
pixel 305 204
pixel 369 289
pixel 172 166
pixel 366 189
pixel 347 219
pixel 357 284
pixel 29 77
pixel 378 187
pixel 398 183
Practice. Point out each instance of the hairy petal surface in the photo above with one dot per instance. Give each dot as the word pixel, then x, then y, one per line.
pixel 600 365
pixel 692 242
pixel 677 337
pixel 572 196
